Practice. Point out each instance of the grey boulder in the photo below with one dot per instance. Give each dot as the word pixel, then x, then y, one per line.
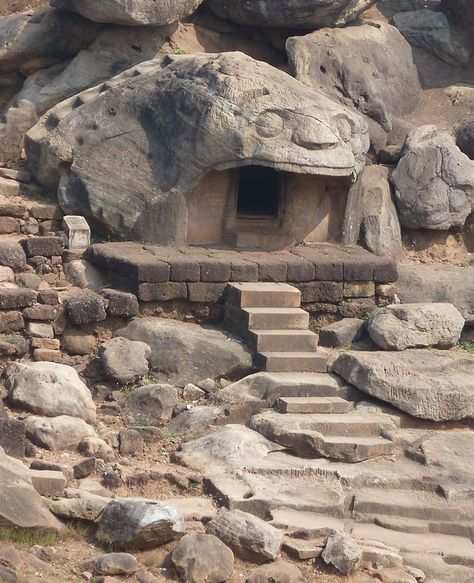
pixel 432 31
pixel 152 404
pixel 369 67
pixel 290 13
pixel 124 361
pixel 248 536
pixel 429 384
pixel 130 12
pixel 342 552
pixel 134 523
pixel 57 433
pixel 121 564
pixel 195 419
pixel 183 353
pixel 20 505
pixel 212 125
pixel 202 558
pixel 39 39
pixel 434 181
pixel 402 326
pixel 48 388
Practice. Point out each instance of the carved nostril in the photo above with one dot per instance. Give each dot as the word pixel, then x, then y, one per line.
pixel 315 136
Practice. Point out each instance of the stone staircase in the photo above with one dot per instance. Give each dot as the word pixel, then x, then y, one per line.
pixel 269 318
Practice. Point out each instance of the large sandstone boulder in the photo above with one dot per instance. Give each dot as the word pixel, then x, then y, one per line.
pixel 432 31
pixel 228 110
pixel 48 388
pixel 39 39
pixel 57 433
pixel 402 326
pixel 434 181
pixel 369 67
pixel 133 523
pixel 290 13
pixel 429 384
pixel 186 353
pixel 371 216
pixel 20 504
pixel 131 12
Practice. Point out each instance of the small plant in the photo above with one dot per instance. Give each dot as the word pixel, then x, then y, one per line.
pixel 218 384
pixel 179 51
pixel 467 345
pixel 152 377
pixel 39 269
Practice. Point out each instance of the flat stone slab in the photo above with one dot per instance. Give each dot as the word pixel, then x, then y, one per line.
pixel 156 264
pixel 430 384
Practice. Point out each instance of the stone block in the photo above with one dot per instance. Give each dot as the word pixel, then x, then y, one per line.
pixel 6 274
pixel 153 271
pixel 270 269
pixel 46 355
pixel 44 246
pixel 84 468
pixel 327 270
pixel 162 292
pixel 208 293
pixel 185 269
pixel 48 483
pixel 49 297
pixel 121 304
pixel 300 270
pixel 39 330
pixel 29 280
pixel 321 291
pixel 243 271
pixel 16 298
pixel 86 307
pixel 11 209
pixel 77 230
pixel 9 225
pixel 359 289
pixel 130 442
pixel 9 188
pixel 356 308
pixel 11 322
pixel 12 255
pixel 12 436
pixel 385 271
pixel 215 270
pixel 358 271
pixel 42 312
pixel 342 333
pixel 45 343
pixel 46 211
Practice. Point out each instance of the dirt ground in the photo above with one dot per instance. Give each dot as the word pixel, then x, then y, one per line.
pixel 13 6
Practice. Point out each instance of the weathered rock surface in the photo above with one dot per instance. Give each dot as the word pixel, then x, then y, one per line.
pixel 279 572
pixel 138 523
pixel 57 433
pixel 248 536
pixel 465 137
pixel 371 216
pixel 290 13
pixel 434 181
pixel 186 352
pixel 368 67
pixel 48 388
pixel 152 404
pixel 151 205
pixel 195 419
pixel 87 508
pixel 124 361
pixel 121 564
pixel 202 558
pixel 12 255
pixel 130 12
pixel 343 552
pixel 20 505
pixel 431 31
pixel 429 384
pixel 39 39
pixel 402 326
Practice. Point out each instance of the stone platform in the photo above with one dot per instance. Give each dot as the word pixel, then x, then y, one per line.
pixel 323 273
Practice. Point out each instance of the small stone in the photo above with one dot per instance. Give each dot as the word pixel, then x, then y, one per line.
pixel 44 246
pixel 342 552
pixel 278 572
pixel 11 322
pixel 112 564
pixel 342 333
pixel 45 343
pixel 124 360
pixel 85 308
pixel 31 227
pixel 7 274
pixel 130 442
pixel 39 330
pixel 41 312
pixel 49 297
pixel 84 468
pixel 121 304
pixel 192 393
pixel 77 342
pixel 96 447
pixel 29 280
pixel 46 355
pixel 12 255
pixel 152 404
pixel 48 483
pixel 9 225
pixel 16 298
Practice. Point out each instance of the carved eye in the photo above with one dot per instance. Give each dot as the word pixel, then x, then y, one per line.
pixel 269 124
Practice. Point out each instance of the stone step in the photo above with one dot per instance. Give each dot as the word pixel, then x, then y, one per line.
pixel 313 405
pixel 351 437
pixel 416 525
pixel 292 361
pixel 273 318
pixel 410 504
pixel 283 340
pixel 263 295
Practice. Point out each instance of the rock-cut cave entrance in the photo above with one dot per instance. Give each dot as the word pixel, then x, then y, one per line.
pixel 258 193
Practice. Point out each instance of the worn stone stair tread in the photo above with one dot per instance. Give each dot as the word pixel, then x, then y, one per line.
pixel 264 294
pixel 410 504
pixel 313 405
pixel 417 525
pixel 291 520
pixel 292 361
pixel 276 340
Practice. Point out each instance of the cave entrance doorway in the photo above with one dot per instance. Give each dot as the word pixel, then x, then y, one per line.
pixel 258 193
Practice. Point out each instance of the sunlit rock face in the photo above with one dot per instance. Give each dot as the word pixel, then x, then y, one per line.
pixel 290 13
pixel 128 153
pixel 130 12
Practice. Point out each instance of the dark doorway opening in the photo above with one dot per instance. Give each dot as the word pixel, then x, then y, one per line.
pixel 258 192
